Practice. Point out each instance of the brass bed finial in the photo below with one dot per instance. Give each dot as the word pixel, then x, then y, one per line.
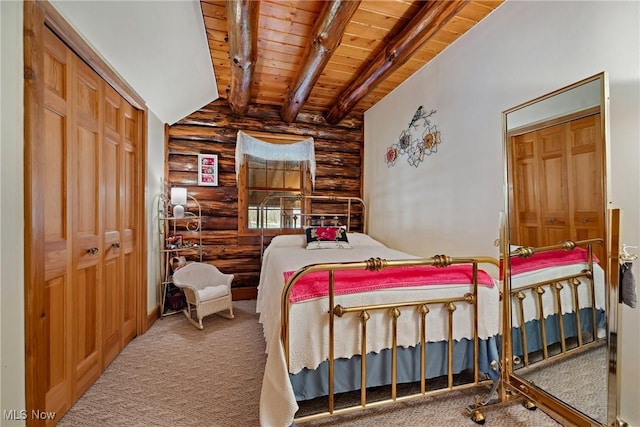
pixel 568 245
pixel 442 260
pixel 376 264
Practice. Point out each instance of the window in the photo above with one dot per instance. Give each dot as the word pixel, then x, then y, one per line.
pixel 260 178
pixel 274 178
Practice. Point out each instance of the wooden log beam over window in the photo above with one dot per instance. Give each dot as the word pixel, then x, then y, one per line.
pixel 324 38
pixel 432 16
pixel 242 20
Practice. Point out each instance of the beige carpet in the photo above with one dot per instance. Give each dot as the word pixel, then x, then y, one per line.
pixel 175 375
pixel 589 369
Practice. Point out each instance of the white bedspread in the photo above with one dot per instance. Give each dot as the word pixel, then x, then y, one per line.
pixel 310 337
pixel 548 298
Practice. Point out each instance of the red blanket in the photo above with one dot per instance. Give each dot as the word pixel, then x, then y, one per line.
pixel 556 258
pixel 315 285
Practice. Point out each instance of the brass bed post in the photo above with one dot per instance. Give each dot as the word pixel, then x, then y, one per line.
pixel 557 287
pixel 364 316
pixel 331 338
pixel 543 326
pixel 423 310
pixel 592 289
pixel 476 373
pixel 451 307
pixel 394 313
pixel 523 333
pixel 576 307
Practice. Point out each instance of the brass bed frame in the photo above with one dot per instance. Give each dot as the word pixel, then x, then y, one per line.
pixel 555 286
pixel 393 311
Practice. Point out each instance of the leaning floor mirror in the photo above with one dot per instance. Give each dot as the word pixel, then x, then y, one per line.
pixel 559 310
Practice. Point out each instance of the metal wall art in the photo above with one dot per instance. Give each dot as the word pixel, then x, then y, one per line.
pixel 416 147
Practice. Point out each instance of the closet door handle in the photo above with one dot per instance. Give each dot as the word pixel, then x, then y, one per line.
pixel 584 220
pixel 551 220
pixel 92 251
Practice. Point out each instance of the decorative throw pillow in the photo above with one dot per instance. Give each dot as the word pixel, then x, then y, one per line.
pixel 330 237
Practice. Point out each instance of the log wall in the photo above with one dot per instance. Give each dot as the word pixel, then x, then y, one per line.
pixel 213 130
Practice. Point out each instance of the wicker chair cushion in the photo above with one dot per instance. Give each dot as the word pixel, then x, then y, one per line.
pixel 211 292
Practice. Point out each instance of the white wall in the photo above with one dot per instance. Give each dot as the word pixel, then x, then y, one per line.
pixel 524 49
pixel 159 35
pixel 12 368
pixel 155 174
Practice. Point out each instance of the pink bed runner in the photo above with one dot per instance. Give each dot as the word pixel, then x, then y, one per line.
pixel 315 285
pixel 555 258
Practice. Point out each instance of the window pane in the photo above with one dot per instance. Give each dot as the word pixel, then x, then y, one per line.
pixel 257 172
pixel 256 197
pixel 275 178
pixel 274 214
pixel 292 178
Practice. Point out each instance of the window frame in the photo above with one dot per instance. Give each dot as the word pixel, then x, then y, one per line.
pixel 243 187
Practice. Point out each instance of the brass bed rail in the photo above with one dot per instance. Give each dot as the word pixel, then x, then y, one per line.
pixel 342 217
pixel 393 310
pixel 556 286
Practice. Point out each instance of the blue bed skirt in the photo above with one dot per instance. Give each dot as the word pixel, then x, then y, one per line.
pixel 309 384
pixel 534 338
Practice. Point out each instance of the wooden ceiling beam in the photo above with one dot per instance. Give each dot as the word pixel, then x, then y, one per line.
pixel 242 21
pixel 424 25
pixel 324 38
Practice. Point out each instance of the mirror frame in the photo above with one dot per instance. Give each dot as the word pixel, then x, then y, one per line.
pixel 515 384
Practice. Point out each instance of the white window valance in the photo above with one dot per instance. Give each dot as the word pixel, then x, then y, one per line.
pixel 297 151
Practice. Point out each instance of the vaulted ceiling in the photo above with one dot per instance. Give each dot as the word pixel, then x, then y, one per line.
pixel 333 57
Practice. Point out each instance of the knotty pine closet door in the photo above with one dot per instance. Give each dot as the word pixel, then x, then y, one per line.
pixel 84 176
pixel 91 139
pixel 130 209
pixel 113 277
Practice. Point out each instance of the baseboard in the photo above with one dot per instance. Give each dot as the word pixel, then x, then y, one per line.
pixel 244 293
pixel 152 316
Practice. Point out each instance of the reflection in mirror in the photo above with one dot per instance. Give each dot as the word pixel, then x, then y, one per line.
pixel 556 150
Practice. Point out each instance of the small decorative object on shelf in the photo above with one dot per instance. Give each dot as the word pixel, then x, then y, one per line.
pixel 178 200
pixel 180 241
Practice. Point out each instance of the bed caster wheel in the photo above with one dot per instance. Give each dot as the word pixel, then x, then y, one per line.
pixel 529 405
pixel 477 417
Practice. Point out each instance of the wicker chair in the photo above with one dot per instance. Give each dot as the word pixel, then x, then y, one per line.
pixel 206 289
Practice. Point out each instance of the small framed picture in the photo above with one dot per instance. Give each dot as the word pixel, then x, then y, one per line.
pixel 208 169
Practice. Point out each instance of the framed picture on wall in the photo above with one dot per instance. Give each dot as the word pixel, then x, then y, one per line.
pixel 208 169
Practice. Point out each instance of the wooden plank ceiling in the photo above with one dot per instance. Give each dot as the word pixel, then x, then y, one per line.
pixel 332 57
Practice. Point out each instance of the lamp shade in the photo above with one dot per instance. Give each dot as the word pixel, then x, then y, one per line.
pixel 178 196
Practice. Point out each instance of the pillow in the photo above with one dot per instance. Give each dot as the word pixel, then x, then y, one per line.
pixel 360 239
pixel 331 237
pixel 288 240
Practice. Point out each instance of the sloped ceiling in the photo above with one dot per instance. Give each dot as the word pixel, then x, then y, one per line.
pixel 159 47
pixel 329 57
